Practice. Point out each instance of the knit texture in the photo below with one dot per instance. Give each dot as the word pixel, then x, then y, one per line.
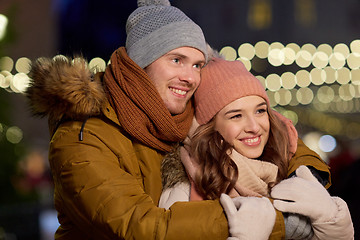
pixel 222 82
pixel 156 28
pixel 254 175
pixel 139 107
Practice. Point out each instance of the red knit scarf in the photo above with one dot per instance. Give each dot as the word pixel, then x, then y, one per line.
pixel 139 107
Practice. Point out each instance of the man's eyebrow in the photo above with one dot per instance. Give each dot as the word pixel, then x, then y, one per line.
pixel 177 54
pixel 180 55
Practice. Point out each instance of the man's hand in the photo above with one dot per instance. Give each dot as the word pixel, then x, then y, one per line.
pixel 249 217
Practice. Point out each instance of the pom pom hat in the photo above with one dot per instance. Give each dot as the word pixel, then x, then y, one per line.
pixel 156 28
pixel 222 82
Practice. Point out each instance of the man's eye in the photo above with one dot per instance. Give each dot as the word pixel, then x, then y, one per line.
pixel 199 65
pixel 176 60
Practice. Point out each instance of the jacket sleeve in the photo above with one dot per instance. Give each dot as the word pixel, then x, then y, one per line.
pixel 341 227
pixel 103 201
pixel 305 156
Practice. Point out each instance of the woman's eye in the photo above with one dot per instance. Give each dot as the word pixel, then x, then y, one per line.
pixel 261 110
pixel 236 116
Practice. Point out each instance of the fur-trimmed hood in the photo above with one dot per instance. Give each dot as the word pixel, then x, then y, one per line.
pixel 62 87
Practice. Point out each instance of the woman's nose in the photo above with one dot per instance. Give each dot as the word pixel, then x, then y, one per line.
pixel 252 125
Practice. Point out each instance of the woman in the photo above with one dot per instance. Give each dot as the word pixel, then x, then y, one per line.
pixel 237 126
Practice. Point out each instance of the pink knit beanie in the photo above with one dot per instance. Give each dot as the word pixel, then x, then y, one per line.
pixel 222 82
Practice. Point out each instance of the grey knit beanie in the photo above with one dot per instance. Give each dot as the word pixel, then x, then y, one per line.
pixel 156 28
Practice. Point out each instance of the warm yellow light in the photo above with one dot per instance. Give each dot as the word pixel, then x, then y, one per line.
pixel 303 58
pixel 325 48
pixel 289 55
pixel 331 75
pixel 23 65
pixel 355 77
pixel 325 94
pixel 276 57
pixel 6 79
pixel 276 45
pixel 353 60
pixel 3 25
pixel 271 96
pixel 14 135
pixel 305 96
pixel 97 65
pixel 294 101
pixel 247 51
pixel 262 49
pixel 229 53
pixel 288 80
pixel 337 60
pixel 19 83
pixel 320 60
pixel 294 47
pixel 355 46
pixel 273 82
pixel 343 49
pixel 343 76
pixel 309 48
pixel 302 78
pixel 357 92
pixel 291 115
pixel 6 64
pixel 346 92
pixel 317 76
pixel 262 80
pixel 282 97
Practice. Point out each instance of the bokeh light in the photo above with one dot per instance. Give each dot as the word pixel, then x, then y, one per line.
pixel 14 134
pixel 3 25
pixel 229 53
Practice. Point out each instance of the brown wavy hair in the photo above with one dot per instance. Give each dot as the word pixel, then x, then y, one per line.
pixel 217 172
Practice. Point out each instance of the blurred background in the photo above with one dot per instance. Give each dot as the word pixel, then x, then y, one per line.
pixel 305 52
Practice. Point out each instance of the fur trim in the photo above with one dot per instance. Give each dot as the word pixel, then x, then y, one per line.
pixel 213 53
pixel 173 171
pixel 64 87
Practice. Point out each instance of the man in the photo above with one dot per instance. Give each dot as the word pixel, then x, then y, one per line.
pixel 109 133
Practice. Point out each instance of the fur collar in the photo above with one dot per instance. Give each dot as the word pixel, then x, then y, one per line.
pixel 63 87
pixel 172 169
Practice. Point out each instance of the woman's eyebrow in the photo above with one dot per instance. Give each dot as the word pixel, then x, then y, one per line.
pixel 239 109
pixel 233 111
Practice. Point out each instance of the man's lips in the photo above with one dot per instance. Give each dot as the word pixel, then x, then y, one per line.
pixel 178 91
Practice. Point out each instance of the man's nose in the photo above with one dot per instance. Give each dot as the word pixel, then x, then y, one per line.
pixel 190 74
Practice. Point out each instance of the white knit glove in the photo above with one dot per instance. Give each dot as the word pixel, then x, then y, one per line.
pixel 304 195
pixel 249 217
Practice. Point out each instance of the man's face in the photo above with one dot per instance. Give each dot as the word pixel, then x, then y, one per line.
pixel 176 76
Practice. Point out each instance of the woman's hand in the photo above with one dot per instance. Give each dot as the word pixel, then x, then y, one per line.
pixel 303 194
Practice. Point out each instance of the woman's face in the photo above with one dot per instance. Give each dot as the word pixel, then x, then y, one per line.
pixel 244 123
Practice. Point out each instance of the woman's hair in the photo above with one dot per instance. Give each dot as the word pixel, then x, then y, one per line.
pixel 217 172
